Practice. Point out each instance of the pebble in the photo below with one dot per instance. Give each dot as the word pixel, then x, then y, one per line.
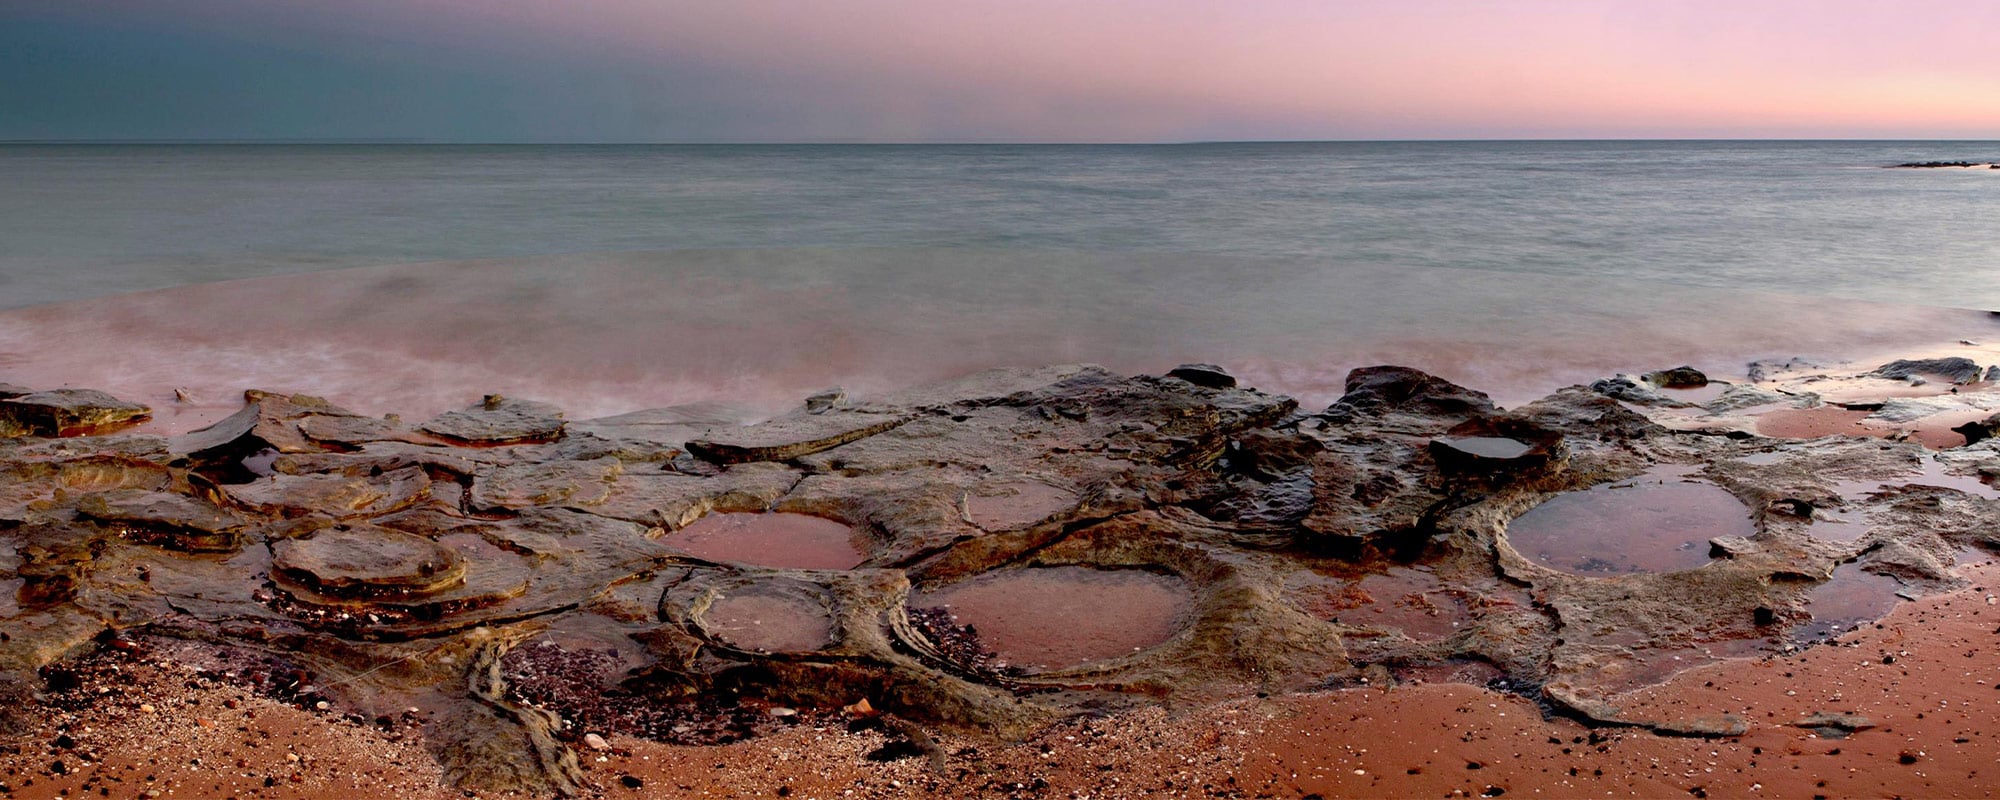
pixel 781 711
pixel 146 708
pixel 595 742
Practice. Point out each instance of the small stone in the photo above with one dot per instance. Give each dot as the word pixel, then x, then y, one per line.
pixel 146 708
pixel 1682 377
pixel 595 742
pixel 631 781
pixel 824 401
pixel 781 711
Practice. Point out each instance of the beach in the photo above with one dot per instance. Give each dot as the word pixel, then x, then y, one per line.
pixel 1063 400
pixel 1382 595
pixel 1498 504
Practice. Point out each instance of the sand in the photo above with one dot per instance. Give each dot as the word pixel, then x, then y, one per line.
pixel 1925 678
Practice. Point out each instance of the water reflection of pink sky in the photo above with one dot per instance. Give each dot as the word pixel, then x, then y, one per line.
pixel 609 334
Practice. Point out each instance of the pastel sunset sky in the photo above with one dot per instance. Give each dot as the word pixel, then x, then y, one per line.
pixel 996 70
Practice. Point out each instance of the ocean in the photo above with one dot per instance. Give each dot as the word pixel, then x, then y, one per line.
pixel 615 277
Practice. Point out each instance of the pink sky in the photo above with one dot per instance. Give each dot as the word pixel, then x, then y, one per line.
pixel 1153 70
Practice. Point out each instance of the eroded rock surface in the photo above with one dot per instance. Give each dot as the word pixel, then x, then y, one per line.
pixel 65 412
pixel 1120 540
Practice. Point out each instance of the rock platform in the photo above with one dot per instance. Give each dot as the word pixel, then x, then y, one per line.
pixel 397 566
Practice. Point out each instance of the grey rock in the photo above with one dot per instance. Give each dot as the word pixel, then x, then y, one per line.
pixel 499 421
pixel 1681 377
pixel 1630 390
pixel 1207 376
pixel 1956 369
pixel 787 438
pixel 825 401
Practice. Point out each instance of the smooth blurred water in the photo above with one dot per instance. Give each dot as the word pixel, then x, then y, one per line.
pixel 1818 218
pixel 614 278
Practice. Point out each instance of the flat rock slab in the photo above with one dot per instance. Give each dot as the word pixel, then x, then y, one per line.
pixel 353 432
pixel 1833 725
pixel 564 483
pixel 66 412
pixel 167 519
pixel 499 422
pixel 270 421
pixel 367 561
pixel 787 438
pixel 332 495
pixel 1956 369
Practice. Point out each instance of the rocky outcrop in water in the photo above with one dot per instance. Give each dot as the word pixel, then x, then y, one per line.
pixel 1947 165
pixel 1266 548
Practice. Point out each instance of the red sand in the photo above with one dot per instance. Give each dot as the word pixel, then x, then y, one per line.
pixel 1926 677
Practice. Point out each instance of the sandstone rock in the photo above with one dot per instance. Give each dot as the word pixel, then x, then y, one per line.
pixel 787 438
pixel 66 412
pixel 1498 447
pixel 1833 724
pixel 1377 392
pixel 825 401
pixel 1682 377
pixel 1631 390
pixel 1955 369
pixel 499 421
pixel 335 496
pixel 405 565
pixel 166 519
pixel 1716 727
pixel 1767 369
pixel 269 421
pixel 366 561
pixel 1208 376
pixel 1975 432
pixel 518 486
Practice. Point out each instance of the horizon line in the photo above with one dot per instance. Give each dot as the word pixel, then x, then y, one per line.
pixel 413 141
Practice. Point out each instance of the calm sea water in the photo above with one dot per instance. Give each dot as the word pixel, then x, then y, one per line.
pixel 1811 217
pixel 615 278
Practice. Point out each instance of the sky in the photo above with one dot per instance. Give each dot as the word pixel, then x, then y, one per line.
pixel 995 70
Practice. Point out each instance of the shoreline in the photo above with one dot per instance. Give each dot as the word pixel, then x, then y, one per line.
pixel 750 333
pixel 1472 605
